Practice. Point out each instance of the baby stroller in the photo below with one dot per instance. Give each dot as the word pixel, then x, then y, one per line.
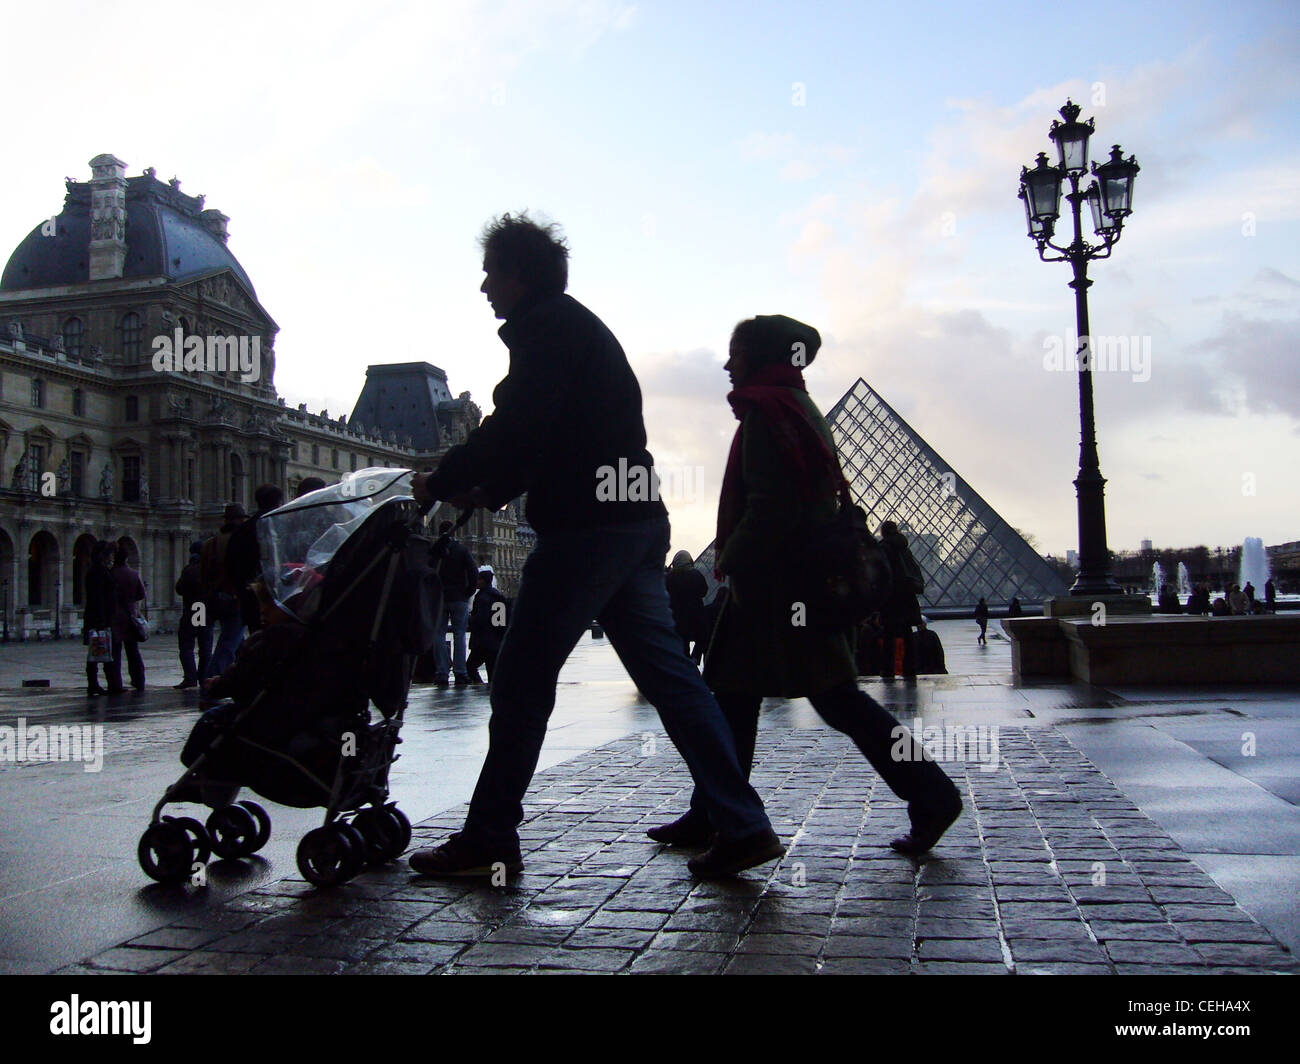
pixel 351 569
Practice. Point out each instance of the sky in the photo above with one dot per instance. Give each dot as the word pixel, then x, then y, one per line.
pixel 853 165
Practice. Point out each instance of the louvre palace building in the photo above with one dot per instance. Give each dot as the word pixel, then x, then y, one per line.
pixel 137 399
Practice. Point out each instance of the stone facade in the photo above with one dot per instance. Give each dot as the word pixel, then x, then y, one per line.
pixel 104 435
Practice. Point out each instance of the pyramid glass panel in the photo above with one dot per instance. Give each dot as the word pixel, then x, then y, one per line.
pixel 964 548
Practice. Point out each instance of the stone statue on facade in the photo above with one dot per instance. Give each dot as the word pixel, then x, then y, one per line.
pixel 144 488
pixel 64 477
pixel 20 480
pixel 106 482
pixel 15 329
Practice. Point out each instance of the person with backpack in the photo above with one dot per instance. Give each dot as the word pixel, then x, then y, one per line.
pixel 783 481
pixel 901 612
pixel 220 595
pixel 488 618
pixel 458 574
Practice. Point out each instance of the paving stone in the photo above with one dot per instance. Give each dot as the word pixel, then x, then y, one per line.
pixel 645 920
pixel 1223 931
pixel 588 960
pixel 1125 912
pixel 373 967
pixel 201 962
pixel 674 962
pixel 176 938
pixel 959 968
pixel 1033 950
pixel 502 955
pixel 1245 953
pixel 957 929
pixel 1106 930
pixel 862 946
pixel 290 964
pixel 863 966
pixel 129 959
pixel 431 954
pixel 950 949
pixel 771 964
pixel 436 929
pixel 611 937
pixel 1128 952
pixel 1050 968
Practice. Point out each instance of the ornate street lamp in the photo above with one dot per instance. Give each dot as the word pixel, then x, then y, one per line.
pixel 1110 200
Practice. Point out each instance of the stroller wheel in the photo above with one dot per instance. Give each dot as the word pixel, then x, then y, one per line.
pixel 403 828
pixel 359 847
pixel 233 831
pixel 380 834
pixel 200 845
pixel 330 855
pixel 166 852
pixel 263 824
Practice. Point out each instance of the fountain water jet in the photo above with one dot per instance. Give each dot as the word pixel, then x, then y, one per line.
pixel 1254 564
pixel 1184 581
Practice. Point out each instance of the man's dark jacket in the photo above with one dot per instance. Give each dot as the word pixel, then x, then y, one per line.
pixel 484 635
pixel 457 572
pixel 567 411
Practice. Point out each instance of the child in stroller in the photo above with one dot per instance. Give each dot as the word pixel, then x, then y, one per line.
pixel 312 704
pixel 347 597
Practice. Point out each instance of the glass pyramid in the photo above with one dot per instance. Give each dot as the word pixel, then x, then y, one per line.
pixel 964 548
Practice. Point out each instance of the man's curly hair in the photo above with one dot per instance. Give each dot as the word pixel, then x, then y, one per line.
pixel 530 251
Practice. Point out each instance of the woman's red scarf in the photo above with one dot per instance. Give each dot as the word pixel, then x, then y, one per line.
pixel 771 389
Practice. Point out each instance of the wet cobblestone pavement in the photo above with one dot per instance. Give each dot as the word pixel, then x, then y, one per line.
pixel 1050 870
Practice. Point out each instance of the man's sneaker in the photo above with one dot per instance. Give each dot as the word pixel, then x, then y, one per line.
pixel 687 831
pixel 928 827
pixel 726 857
pixel 459 856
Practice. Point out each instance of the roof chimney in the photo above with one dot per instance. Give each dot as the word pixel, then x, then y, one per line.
pixel 107 217
pixel 216 224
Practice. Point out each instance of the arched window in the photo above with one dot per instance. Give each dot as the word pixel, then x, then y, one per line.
pixel 129 331
pixel 81 555
pixel 42 569
pixel 72 336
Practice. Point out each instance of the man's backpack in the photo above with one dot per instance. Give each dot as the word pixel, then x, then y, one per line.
pixel 212 566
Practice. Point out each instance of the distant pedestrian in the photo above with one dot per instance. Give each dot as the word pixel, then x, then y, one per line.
pixel 1270 595
pixel 929 651
pixel 982 619
pixel 458 575
pixel 1249 592
pixel 101 599
pixel 901 612
pixel 220 595
pixel 1013 607
pixel 308 485
pixel 129 609
pixel 488 618
pixel 686 590
pixel 190 588
pixel 244 556
pixel 1238 602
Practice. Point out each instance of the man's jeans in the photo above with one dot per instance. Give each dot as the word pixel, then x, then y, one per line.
pixel 225 612
pixel 614 575
pixel 187 635
pixel 457 614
